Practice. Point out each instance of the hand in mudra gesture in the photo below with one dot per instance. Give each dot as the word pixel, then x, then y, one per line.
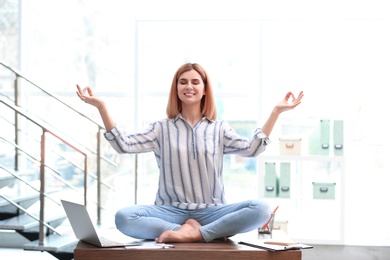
pixel 86 94
pixel 289 102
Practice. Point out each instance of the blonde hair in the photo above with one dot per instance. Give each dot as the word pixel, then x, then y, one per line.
pixel 207 107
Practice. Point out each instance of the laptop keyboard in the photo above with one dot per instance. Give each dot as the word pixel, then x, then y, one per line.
pixel 108 242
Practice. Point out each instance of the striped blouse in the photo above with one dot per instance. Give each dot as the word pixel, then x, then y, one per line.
pixel 190 160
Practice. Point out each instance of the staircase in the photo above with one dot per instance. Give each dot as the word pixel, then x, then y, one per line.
pixel 40 165
pixel 20 218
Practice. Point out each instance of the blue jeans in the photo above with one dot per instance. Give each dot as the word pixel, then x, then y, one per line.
pixel 148 222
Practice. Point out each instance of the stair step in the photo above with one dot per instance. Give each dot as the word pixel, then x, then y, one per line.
pixel 25 222
pixel 10 172
pixel 54 243
pixel 24 200
pixel 6 180
pixel 12 239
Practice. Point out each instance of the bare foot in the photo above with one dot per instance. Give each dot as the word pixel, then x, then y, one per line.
pixel 188 232
pixel 193 223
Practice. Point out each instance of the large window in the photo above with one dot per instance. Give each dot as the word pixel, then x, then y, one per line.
pixel 9 32
pixel 234 71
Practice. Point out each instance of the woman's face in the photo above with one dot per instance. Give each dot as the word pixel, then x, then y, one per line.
pixel 190 88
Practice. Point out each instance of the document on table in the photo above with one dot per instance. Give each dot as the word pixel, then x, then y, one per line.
pixel 151 245
pixel 275 246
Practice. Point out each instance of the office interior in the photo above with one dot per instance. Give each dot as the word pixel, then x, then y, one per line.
pixel 337 52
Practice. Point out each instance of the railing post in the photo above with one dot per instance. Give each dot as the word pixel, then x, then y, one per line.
pixel 85 179
pixel 42 191
pixel 136 179
pixel 98 164
pixel 16 118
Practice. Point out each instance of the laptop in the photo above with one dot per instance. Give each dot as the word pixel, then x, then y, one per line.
pixel 84 228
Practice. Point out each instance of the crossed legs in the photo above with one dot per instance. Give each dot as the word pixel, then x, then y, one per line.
pixel 170 224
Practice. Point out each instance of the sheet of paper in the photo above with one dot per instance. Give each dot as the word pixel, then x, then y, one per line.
pixel 150 245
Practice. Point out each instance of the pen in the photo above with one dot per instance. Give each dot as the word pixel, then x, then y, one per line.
pixel 273 214
pixel 292 247
pixel 257 246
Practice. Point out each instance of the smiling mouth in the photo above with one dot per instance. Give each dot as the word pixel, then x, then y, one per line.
pixel 189 94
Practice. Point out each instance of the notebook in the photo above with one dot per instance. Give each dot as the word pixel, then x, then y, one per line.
pixel 84 228
pixel 273 247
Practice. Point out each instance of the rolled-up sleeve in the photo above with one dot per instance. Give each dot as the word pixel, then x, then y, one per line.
pixel 260 135
pixel 111 134
pixel 133 143
pixel 247 147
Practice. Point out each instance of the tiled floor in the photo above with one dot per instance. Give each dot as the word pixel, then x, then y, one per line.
pixel 6 254
pixel 326 252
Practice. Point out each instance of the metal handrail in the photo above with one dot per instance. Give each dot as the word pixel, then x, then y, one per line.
pixel 45 129
pixel 98 153
pixel 19 74
pixel 41 222
pixel 37 160
pixel 28 184
pixel 88 149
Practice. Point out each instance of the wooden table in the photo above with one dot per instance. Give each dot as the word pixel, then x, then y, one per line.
pixel 187 251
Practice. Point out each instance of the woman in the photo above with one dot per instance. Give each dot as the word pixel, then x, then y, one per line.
pixel 189 146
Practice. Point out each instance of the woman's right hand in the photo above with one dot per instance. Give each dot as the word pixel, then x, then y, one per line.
pixel 86 95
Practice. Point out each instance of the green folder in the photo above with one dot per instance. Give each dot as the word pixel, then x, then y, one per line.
pixel 338 137
pixel 320 138
pixel 284 180
pixel 270 180
pixel 325 136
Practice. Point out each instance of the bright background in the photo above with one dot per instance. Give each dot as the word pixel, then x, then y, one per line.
pixel 337 52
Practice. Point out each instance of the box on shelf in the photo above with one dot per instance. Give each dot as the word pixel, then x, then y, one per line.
pixel 281 225
pixel 324 190
pixel 290 146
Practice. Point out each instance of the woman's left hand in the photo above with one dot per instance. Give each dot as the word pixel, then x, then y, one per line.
pixel 286 104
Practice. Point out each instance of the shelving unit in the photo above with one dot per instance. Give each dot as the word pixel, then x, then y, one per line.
pixel 316 219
